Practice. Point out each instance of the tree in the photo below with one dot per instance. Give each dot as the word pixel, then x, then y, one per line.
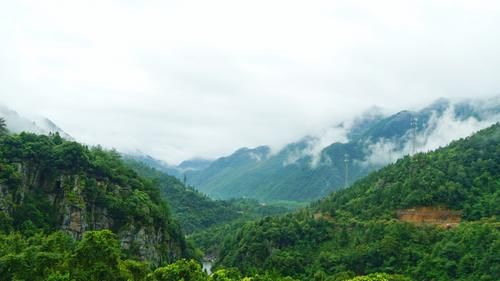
pixel 134 270
pixel 3 126
pixel 71 156
pixel 97 257
pixel 380 277
pixel 186 270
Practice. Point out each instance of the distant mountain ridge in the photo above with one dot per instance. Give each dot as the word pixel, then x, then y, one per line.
pixel 303 172
pixel 177 171
pixel 17 123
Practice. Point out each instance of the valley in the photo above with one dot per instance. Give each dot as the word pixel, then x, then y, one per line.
pixel 414 218
pixel 249 140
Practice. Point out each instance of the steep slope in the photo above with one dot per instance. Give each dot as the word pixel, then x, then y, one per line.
pixel 360 230
pixel 464 176
pixel 214 179
pixel 196 211
pixel 17 123
pixel 304 171
pixel 51 184
pixel 179 171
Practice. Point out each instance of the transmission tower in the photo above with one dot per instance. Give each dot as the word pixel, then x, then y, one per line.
pixel 346 162
pixel 414 125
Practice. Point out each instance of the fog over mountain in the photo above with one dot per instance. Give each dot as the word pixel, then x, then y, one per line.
pixel 442 128
pixel 35 124
pixel 314 165
pixel 184 79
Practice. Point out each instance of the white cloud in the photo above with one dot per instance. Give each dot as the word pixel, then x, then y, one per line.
pixel 178 79
pixel 446 128
pixel 439 131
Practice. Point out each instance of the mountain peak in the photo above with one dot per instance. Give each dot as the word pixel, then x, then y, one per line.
pixel 40 125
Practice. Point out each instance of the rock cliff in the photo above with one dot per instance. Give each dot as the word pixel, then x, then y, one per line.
pixel 41 193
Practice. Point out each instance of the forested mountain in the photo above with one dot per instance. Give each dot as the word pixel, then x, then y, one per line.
pixel 73 213
pixel 50 184
pixel 70 212
pixel 178 171
pixel 433 216
pixel 39 125
pixel 302 171
pixel 196 211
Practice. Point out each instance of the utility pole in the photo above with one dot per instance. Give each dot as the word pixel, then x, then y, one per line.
pixel 346 169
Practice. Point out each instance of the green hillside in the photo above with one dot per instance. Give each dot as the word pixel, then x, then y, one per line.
pixel 294 174
pixel 49 184
pixel 73 213
pixel 358 231
pixel 196 211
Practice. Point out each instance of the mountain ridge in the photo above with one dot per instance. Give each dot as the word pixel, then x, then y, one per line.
pixel 360 230
pixel 302 172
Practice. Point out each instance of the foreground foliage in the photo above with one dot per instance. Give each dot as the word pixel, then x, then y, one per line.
pixel 96 257
pixel 48 183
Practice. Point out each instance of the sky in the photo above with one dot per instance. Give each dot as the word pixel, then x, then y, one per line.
pixel 183 79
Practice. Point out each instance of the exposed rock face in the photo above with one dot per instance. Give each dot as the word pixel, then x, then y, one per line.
pixel 76 213
pixel 430 215
pixel 146 241
pixel 4 202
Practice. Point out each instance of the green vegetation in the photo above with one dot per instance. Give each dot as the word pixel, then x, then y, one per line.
pixel 189 270
pixel 356 232
pixel 3 127
pixel 97 257
pixel 58 257
pixel 380 277
pixel 49 184
pixel 464 176
pixel 196 211
pixel 69 212
pixel 290 174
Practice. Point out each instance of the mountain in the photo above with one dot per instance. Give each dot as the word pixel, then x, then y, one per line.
pixel 69 212
pixel 433 216
pixel 17 123
pixel 49 184
pixel 195 164
pixel 227 169
pixel 178 171
pixel 196 211
pixel 308 170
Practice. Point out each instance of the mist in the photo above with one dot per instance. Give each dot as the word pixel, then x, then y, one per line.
pixel 185 79
pixel 438 132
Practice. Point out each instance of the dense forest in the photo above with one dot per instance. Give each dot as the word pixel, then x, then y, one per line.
pixel 358 230
pixel 70 212
pixel 300 172
pixel 196 211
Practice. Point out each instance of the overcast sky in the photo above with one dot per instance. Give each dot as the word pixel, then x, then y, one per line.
pixel 178 79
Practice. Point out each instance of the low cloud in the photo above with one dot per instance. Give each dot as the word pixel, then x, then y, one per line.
pixel 180 79
pixel 440 130
pixel 314 146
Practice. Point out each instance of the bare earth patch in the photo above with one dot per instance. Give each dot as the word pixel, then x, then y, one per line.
pixel 440 216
